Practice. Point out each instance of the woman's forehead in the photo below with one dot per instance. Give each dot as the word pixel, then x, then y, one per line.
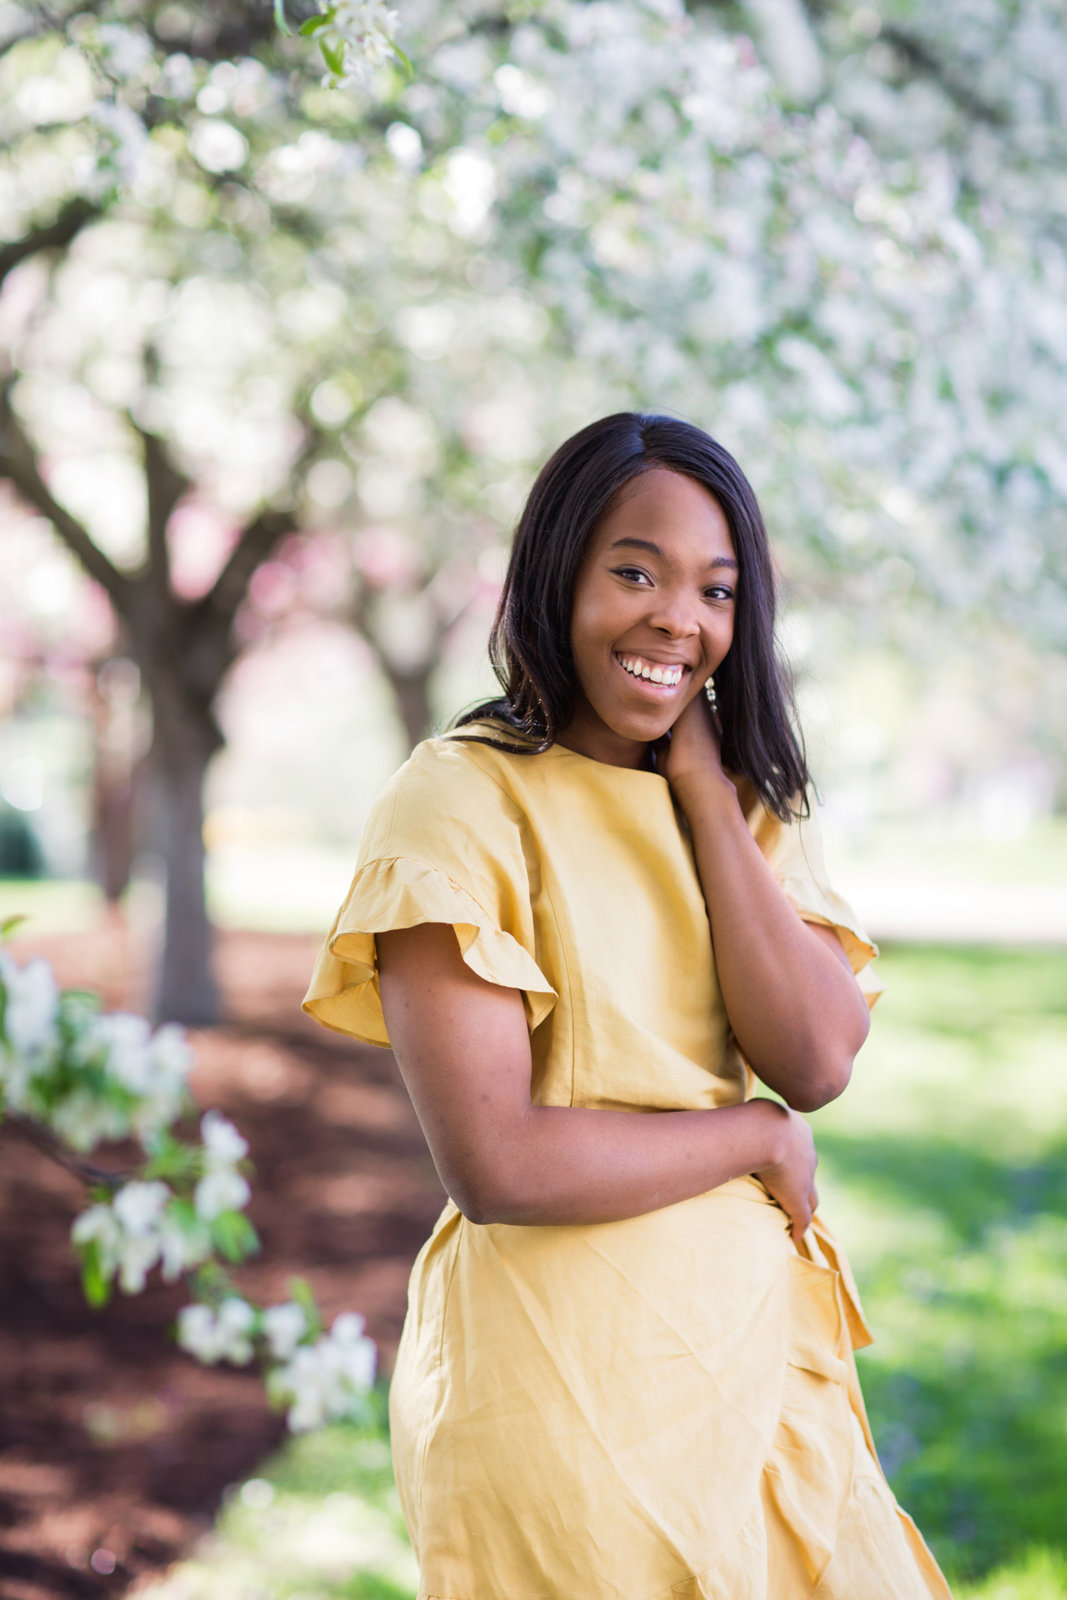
pixel 666 506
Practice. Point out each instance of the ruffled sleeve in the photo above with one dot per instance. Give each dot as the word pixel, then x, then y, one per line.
pixel 794 852
pixel 442 844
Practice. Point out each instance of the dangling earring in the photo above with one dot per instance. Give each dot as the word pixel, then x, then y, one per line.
pixel 709 690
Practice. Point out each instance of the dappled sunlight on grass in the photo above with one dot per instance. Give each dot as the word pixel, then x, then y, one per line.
pixel 320 1522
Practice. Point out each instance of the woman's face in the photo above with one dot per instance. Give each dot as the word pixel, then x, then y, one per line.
pixel 655 595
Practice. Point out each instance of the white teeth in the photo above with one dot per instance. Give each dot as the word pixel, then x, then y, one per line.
pixel 637 668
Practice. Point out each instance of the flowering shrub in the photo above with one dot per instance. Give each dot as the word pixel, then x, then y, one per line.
pixel 73 1077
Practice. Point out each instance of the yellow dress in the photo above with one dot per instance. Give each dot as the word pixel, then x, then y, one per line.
pixel 663 1408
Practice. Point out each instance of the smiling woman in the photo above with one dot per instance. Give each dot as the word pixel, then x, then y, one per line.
pixel 591 922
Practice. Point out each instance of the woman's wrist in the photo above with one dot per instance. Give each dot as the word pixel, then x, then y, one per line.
pixel 771 1121
pixel 701 787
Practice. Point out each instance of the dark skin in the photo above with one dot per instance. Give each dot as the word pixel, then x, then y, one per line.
pixel 656 591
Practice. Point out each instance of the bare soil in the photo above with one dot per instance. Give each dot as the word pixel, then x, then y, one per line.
pixel 115 1448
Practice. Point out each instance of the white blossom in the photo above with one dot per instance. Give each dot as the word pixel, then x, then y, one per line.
pixel 138 1254
pixel 220 1190
pixel 125 1039
pixel 362 31
pixel 84 1119
pixel 327 1380
pixel 218 1335
pixel 168 1062
pixel 223 1145
pixel 126 49
pixel 98 1225
pixel 139 1206
pixel 126 135
pixel 181 1246
pixel 284 1327
pixel 32 998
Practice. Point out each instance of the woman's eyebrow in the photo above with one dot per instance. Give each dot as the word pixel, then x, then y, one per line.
pixel 646 544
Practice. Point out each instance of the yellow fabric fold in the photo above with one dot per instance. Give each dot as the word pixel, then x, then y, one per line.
pixel 401 893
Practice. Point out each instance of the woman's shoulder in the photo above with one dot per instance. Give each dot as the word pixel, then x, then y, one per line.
pixel 447 796
pixel 463 760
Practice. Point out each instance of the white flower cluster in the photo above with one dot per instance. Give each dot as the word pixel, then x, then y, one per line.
pixel 87 1075
pixel 222 1333
pixel 222 1188
pixel 323 1378
pixel 146 1223
pixel 356 39
pixel 138 1228
pixel 327 1380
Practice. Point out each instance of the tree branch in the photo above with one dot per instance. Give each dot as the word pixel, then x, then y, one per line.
pixel 165 483
pixel 49 1144
pixel 19 464
pixel 71 219
pixel 921 58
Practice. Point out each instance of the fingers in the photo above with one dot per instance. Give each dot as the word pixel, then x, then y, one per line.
pixel 800 1221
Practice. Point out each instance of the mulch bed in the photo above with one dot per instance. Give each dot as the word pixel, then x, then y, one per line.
pixel 115 1448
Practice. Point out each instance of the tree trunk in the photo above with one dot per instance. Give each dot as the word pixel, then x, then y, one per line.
pixel 411 688
pixel 186 991
pixel 112 789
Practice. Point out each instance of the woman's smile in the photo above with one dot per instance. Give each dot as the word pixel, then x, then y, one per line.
pixel 653 614
pixel 649 673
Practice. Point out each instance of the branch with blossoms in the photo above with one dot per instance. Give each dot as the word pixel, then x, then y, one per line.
pixel 355 38
pixel 73 1077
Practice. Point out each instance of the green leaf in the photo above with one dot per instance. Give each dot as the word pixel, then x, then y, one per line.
pixel 405 61
pixel 279 18
pixel 171 1159
pixel 95 1283
pixel 9 924
pixel 234 1236
pixel 334 57
pixel 313 24
pixel 302 1294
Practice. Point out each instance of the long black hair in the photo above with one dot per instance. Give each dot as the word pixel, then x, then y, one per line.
pixel 530 645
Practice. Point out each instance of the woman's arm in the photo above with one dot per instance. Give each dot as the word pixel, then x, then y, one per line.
pixel 794 1006
pixel 463 1048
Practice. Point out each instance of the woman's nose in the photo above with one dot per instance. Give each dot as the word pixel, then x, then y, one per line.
pixel 675 615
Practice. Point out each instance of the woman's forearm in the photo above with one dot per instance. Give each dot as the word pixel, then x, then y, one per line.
pixel 567 1165
pixel 794 1007
pixel 463 1048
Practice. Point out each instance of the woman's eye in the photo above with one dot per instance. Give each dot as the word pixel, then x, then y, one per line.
pixel 633 574
pixel 719 592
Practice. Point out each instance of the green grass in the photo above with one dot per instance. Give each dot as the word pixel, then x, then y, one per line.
pixel 944 1170
pixel 321 1522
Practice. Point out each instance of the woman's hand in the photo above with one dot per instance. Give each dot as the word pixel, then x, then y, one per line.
pixel 692 748
pixel 790 1178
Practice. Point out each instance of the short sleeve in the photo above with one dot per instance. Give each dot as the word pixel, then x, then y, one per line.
pixel 794 852
pixel 443 843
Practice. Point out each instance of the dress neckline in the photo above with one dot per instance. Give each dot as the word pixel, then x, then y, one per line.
pixel 460 736
pixel 605 766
